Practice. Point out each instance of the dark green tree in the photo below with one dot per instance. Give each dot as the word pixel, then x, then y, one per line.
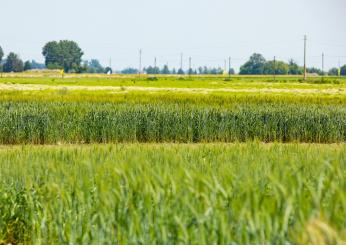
pixel 13 63
pixel 1 54
pixel 152 70
pixel 108 70
pixel 94 66
pixel 165 70
pixel 277 67
pixel 333 71
pixel 27 65
pixel 181 71
pixel 130 70
pixel 343 70
pixel 314 70
pixel 254 66
pixel 294 69
pixel 64 54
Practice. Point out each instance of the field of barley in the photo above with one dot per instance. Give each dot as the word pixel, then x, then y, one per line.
pixel 172 160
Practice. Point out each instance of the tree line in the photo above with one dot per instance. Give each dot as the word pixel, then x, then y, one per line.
pixel 67 55
pixel 258 65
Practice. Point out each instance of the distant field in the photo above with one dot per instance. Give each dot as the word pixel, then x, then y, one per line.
pixel 177 81
pixel 221 111
pixel 167 194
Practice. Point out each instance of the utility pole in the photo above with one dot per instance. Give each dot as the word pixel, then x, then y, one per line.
pixel 155 65
pixel 190 66
pixel 225 67
pixel 181 61
pixel 140 62
pixel 322 66
pixel 305 38
pixel 229 67
pixel 274 68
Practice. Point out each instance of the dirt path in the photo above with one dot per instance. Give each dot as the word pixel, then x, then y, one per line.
pixel 38 87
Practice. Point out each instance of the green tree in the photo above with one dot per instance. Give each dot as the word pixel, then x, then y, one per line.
pixel 254 65
pixel 314 70
pixel 294 69
pixel 130 70
pixel 13 63
pixel 108 70
pixel 152 70
pixel 27 66
pixel 343 70
pixel 333 72
pixel 277 67
pixel 1 54
pixel 181 71
pixel 64 54
pixel 94 66
pixel 165 70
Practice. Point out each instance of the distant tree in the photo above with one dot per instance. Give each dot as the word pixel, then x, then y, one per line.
pixel 278 67
pixel 36 65
pixel 333 71
pixel 1 54
pixel 231 71
pixel 313 70
pixel 108 70
pixel 165 70
pixel 293 68
pixel 174 71
pixel 94 66
pixel 27 65
pixel 152 70
pixel 254 66
pixel 180 71
pixel 343 70
pixel 129 71
pixel 13 63
pixel 64 54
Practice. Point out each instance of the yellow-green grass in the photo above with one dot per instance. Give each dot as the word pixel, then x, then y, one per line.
pixel 249 193
pixel 180 82
pixel 65 94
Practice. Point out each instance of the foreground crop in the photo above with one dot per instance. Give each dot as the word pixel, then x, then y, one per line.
pixel 165 194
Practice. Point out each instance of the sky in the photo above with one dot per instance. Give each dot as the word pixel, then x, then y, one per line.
pixel 208 31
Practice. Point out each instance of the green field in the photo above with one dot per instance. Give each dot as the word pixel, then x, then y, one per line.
pixel 98 159
pixel 166 194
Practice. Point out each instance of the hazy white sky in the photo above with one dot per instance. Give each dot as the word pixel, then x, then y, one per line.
pixel 207 30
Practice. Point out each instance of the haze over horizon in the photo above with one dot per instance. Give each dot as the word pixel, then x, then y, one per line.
pixel 208 31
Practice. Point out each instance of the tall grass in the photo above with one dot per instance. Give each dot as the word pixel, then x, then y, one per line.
pixel 84 122
pixel 168 194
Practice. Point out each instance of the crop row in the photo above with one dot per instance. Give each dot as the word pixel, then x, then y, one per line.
pixel 84 122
